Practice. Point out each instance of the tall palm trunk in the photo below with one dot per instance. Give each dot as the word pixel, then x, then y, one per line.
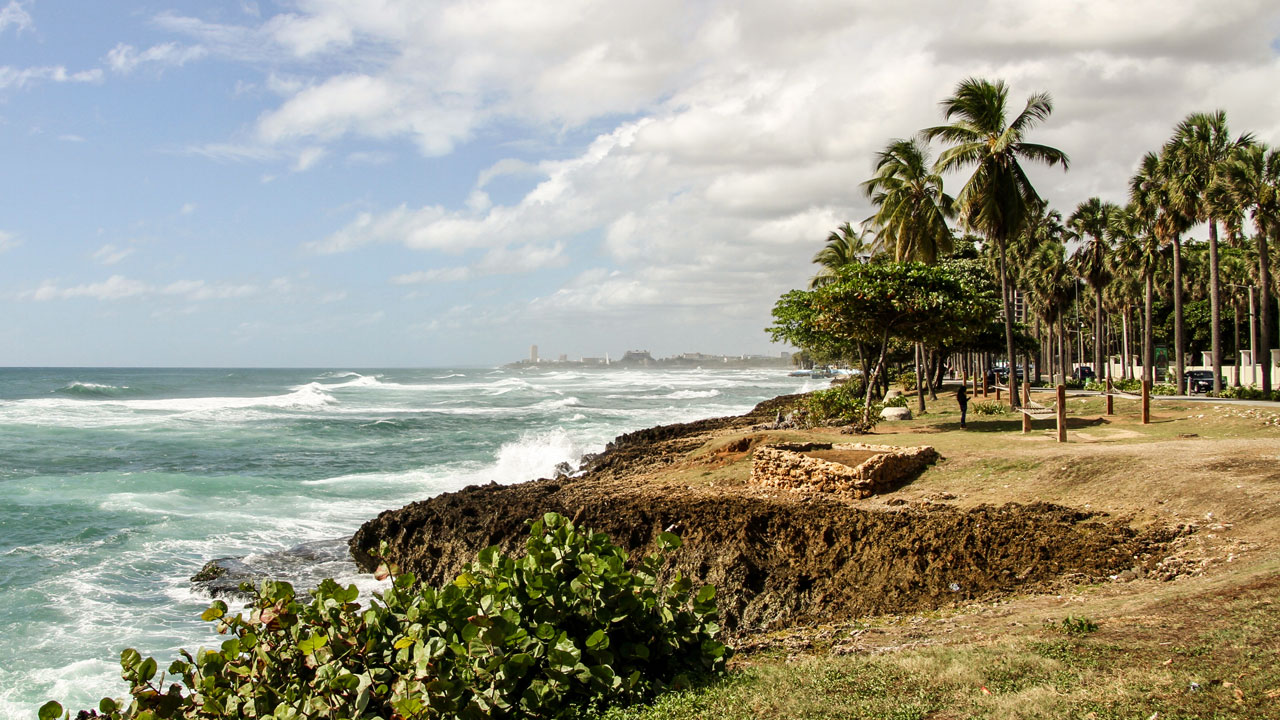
pixel 922 378
pixel 1215 309
pixel 1124 343
pixel 1180 360
pixel 1099 336
pixel 1264 280
pixel 1008 318
pixel 1148 338
pixel 1235 316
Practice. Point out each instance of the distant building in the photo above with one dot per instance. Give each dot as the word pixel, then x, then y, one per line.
pixel 533 353
pixel 637 357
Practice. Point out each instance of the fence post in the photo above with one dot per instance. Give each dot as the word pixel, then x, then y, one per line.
pixel 1062 413
pixel 1146 402
pixel 1111 406
pixel 1026 405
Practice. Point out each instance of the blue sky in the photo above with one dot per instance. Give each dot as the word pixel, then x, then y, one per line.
pixel 341 183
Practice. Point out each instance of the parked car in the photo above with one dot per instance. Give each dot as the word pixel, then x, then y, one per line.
pixel 1199 381
pixel 1000 374
pixel 1084 373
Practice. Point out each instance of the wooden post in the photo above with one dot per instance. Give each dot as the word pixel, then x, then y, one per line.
pixel 986 389
pixel 1146 402
pixel 997 393
pixel 975 385
pixel 1026 405
pixel 1062 413
pixel 1111 407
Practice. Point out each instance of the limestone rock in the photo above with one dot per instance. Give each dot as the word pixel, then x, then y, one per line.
pixel 895 413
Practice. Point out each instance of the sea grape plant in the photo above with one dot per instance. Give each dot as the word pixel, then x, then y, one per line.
pixel 566 628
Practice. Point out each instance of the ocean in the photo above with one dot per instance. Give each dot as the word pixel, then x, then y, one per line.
pixel 116 485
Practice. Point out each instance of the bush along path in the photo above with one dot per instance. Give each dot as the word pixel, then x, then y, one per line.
pixel 568 628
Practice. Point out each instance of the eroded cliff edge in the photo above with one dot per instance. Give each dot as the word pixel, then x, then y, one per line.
pixel 776 558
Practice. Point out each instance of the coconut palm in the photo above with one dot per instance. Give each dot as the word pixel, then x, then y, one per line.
pixel 911 208
pixel 1200 146
pixel 1252 177
pixel 1089 223
pixel 1052 286
pixel 1162 212
pixel 998 196
pixel 844 247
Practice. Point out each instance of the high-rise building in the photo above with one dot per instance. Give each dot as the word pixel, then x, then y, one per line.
pixel 533 353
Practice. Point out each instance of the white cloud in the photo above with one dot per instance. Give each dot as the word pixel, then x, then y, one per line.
pixel 187 208
pixel 70 137
pixel 308 157
pixel 119 287
pixel 729 137
pixel 110 254
pixel 124 58
pixel 8 241
pixel 15 15
pixel 24 77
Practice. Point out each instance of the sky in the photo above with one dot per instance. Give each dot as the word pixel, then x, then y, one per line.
pixel 378 183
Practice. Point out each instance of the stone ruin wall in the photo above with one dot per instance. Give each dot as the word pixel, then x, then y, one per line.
pixel 787 467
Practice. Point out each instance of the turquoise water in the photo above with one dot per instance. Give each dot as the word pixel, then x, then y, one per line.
pixel 116 485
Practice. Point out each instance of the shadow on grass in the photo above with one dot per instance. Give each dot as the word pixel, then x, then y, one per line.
pixel 1015 426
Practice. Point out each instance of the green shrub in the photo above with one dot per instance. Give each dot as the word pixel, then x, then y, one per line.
pixel 897 401
pixel 563 629
pixel 988 408
pixel 1130 386
pixel 1164 389
pixel 1122 385
pixel 907 379
pixel 840 404
pixel 1073 625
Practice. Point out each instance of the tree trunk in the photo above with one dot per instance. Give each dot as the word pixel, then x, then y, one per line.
pixel 1099 336
pixel 1235 316
pixel 1148 339
pixel 1124 344
pixel 1215 308
pixel 1180 361
pixel 921 378
pixel 1264 280
pixel 1008 317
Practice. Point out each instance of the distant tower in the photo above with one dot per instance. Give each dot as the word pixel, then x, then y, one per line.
pixel 533 353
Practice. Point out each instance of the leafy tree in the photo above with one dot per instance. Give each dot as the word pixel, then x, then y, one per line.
pixel 874 304
pixel 998 196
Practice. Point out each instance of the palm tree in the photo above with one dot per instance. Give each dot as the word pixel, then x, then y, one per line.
pixel 1089 222
pixel 1252 177
pixel 1138 250
pixel 845 246
pixel 911 208
pixel 1160 211
pixel 1051 289
pixel 1200 146
pixel 998 196
pixel 911 217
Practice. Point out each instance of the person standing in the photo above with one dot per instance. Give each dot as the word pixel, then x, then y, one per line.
pixel 962 397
